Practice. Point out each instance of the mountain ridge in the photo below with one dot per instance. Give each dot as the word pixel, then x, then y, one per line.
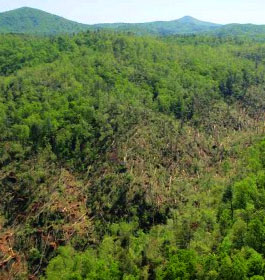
pixel 35 21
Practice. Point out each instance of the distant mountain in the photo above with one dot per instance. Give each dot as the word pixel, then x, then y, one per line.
pixel 185 25
pixel 34 21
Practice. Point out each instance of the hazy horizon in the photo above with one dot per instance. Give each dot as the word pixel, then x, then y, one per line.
pixel 102 11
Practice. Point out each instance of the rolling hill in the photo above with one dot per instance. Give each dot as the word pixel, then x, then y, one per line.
pixel 185 25
pixel 236 29
pixel 34 21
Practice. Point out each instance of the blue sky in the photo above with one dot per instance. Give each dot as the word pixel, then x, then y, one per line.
pixel 97 11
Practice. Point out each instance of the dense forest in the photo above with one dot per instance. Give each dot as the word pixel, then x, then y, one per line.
pixel 132 157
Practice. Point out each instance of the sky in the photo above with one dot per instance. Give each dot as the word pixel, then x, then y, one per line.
pixel 101 11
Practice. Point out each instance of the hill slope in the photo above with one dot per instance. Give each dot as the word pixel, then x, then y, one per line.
pixel 128 149
pixel 33 21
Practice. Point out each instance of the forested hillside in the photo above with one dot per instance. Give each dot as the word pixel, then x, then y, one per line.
pixel 125 157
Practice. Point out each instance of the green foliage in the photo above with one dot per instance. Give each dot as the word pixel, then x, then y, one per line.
pixel 180 266
pixel 70 265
